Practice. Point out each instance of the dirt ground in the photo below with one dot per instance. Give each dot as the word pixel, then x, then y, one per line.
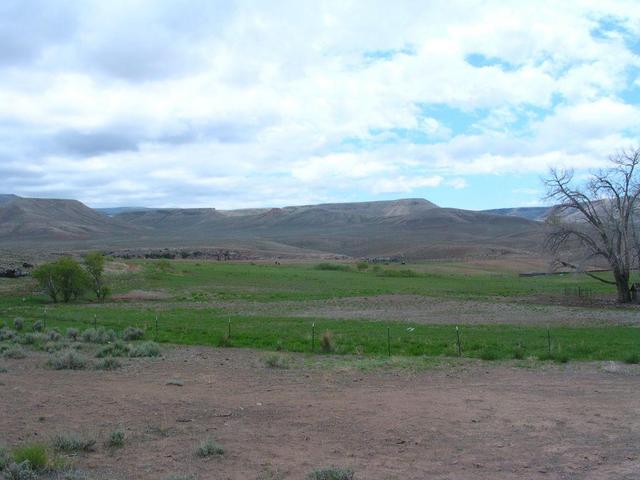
pixel 469 420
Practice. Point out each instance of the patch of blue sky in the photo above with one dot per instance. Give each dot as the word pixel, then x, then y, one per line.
pixel 479 60
pixel 380 55
pixel 609 27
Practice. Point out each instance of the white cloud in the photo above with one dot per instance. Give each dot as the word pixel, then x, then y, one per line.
pixel 233 103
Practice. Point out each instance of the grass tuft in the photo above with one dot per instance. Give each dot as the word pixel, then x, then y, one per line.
pixel 208 448
pixel 331 473
pixel 73 442
pixel 116 438
pixel 34 453
pixel 632 359
pixel 275 360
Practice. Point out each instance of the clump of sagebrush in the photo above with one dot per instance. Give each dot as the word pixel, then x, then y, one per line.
pixel 29 338
pixel 116 349
pixel 33 453
pixel 331 473
pixel 5 459
pixel 98 335
pixel 67 360
pixel 108 364
pixel 19 471
pixel 144 349
pixel 38 326
pixel 72 333
pixel 14 353
pixel 18 324
pixel 6 334
pixel 132 333
pixel 116 438
pixel 53 335
pixel 326 342
pixel 275 360
pixel 73 442
pixel 208 448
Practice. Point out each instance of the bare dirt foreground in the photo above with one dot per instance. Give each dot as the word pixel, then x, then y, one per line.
pixel 466 420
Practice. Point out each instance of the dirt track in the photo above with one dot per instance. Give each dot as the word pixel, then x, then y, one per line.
pixel 472 420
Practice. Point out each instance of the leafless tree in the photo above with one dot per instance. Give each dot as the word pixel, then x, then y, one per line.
pixel 597 217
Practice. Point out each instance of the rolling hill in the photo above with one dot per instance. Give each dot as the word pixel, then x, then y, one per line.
pixel 405 228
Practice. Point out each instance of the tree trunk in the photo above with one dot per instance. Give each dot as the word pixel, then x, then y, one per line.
pixel 622 285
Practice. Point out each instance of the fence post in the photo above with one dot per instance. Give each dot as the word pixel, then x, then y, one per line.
pixel 44 326
pixel 389 341
pixel 229 330
pixel 95 321
pixel 458 341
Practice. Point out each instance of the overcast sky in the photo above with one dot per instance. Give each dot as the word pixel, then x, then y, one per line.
pixel 268 103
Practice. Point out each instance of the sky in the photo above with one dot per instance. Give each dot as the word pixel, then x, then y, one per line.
pixel 271 103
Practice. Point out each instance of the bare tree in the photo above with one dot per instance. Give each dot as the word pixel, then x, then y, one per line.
pixel 597 217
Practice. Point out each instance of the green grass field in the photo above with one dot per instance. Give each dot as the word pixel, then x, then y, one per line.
pixel 189 314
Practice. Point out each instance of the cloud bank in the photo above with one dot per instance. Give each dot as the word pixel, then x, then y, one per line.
pixel 240 104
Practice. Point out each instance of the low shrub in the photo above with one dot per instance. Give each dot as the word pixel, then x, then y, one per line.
pixel 73 442
pixel 132 333
pixel 224 342
pixel 18 324
pixel 145 349
pixel 337 267
pixel 108 364
pixel 632 359
pixel 35 454
pixel 275 360
pixel 6 334
pixel 208 448
pixel 331 473
pixel 53 335
pixel 362 266
pixel 67 360
pixel 116 349
pixel 38 326
pixel 19 471
pixel 72 334
pixel 98 335
pixel 15 353
pixel 29 338
pixel 116 438
pixel 5 459
pixel 518 353
pixel 326 342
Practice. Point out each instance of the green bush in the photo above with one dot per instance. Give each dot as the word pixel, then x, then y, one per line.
pixel 632 359
pixel 53 335
pixel 208 448
pixel 38 326
pixel 34 453
pixel 18 324
pixel 362 266
pixel 63 279
pixel 331 473
pixel 94 265
pixel 67 360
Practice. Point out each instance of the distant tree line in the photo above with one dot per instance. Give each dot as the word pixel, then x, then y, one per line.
pixel 67 279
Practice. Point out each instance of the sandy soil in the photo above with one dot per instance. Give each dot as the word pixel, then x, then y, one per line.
pixel 471 420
